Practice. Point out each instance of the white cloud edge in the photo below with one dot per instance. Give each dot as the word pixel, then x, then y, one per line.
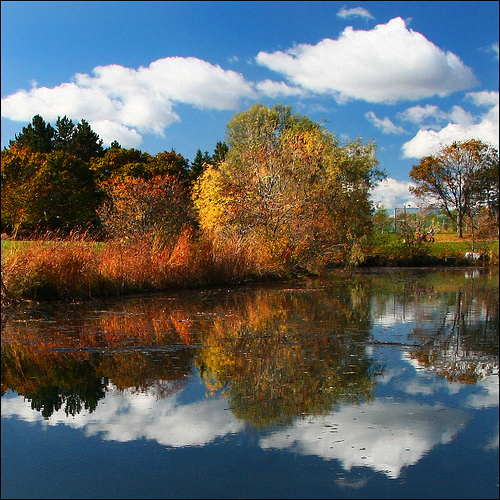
pixel 377 65
pixel 345 13
pixel 461 125
pixel 392 193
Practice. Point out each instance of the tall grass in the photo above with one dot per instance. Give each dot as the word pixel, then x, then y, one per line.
pixel 78 268
pixel 44 270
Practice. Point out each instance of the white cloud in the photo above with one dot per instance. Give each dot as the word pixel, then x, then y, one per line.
pixel 393 193
pixel 110 131
pixel 485 98
pixel 344 13
pixel 420 114
pixel 462 126
pixel 66 99
pixel 132 102
pixel 494 48
pixel 385 124
pixel 389 63
pixel 193 81
pixel 274 89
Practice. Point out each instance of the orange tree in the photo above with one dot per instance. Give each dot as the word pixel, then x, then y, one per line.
pixel 143 194
pixel 136 207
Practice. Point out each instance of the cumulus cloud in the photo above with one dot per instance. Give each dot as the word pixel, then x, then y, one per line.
pixel 130 102
pixel 389 63
pixel 461 126
pixel 393 193
pixel 385 124
pixel 344 13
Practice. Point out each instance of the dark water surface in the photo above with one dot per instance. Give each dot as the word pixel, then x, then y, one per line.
pixel 383 384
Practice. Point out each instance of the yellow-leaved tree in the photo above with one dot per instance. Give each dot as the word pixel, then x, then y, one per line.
pixel 288 187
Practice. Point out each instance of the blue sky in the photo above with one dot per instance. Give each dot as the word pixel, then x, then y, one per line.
pixel 157 76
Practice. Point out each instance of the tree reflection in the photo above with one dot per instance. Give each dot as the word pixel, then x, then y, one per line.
pixel 52 381
pixel 291 352
pixel 275 352
pixel 463 346
pixel 141 349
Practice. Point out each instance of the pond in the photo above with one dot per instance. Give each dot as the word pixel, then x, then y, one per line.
pixel 376 384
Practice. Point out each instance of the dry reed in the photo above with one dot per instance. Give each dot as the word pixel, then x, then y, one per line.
pixel 79 268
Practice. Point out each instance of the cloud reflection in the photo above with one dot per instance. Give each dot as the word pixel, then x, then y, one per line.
pixel 386 436
pixel 383 436
pixel 167 421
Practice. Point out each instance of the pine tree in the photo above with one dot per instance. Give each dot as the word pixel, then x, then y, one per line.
pixel 198 164
pixel 65 132
pixel 37 136
pixel 220 152
pixel 86 143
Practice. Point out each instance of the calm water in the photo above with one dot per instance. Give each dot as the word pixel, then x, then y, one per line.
pixel 380 385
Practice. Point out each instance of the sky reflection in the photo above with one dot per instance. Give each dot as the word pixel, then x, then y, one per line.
pixel 386 435
pixel 386 378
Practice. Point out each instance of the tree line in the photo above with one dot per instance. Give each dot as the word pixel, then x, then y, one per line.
pixel 57 178
pixel 278 181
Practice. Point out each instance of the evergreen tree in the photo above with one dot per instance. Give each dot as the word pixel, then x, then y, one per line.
pixel 37 136
pixel 197 166
pixel 220 152
pixel 86 143
pixel 65 132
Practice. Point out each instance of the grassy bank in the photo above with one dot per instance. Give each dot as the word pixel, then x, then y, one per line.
pixel 447 249
pixel 78 269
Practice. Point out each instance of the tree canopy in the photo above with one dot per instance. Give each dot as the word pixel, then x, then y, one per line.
pixel 289 185
pixel 79 140
pixel 461 179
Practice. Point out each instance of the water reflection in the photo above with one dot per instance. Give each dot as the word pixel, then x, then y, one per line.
pixel 384 436
pixel 132 416
pixel 359 369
